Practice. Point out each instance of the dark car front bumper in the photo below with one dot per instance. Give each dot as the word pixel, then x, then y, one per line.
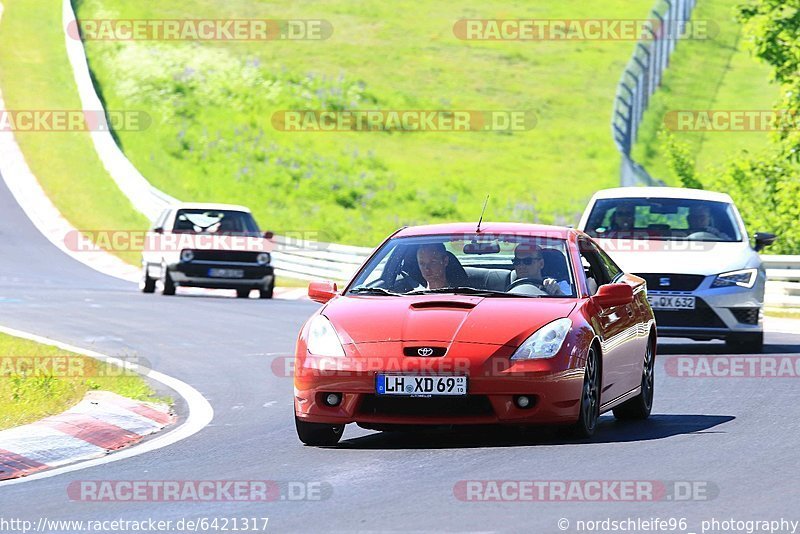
pixel 196 274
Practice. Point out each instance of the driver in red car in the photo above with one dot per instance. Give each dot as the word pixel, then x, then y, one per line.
pixel 433 260
pixel 528 264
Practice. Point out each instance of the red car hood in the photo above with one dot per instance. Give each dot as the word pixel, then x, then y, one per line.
pixel 445 319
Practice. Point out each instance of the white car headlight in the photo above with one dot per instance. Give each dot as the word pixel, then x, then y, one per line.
pixel 322 338
pixel 545 342
pixel 742 278
pixel 187 255
pixel 263 258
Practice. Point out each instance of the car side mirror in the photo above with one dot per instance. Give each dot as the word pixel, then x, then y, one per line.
pixel 323 291
pixel 268 235
pixel 763 240
pixel 610 295
pixel 158 230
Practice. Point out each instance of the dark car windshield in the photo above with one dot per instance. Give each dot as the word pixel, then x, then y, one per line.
pixel 663 219
pixel 468 264
pixel 204 221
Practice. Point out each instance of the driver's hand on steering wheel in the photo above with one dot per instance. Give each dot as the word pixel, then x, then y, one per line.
pixel 551 286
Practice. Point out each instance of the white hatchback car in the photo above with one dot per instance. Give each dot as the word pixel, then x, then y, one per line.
pixel 216 246
pixel 704 279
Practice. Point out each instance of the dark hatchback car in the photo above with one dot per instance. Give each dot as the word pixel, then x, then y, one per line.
pixel 215 246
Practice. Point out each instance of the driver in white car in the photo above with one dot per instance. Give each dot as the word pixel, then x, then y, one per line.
pixel 700 221
pixel 528 264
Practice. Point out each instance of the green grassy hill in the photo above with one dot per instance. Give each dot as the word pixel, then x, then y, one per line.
pixel 212 139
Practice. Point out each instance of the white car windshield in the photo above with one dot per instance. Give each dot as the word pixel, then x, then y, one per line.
pixel 203 221
pixel 487 265
pixel 663 219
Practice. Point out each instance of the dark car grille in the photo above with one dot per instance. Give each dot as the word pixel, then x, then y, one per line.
pixel 746 315
pixel 677 282
pixel 702 317
pixel 235 256
pixel 467 406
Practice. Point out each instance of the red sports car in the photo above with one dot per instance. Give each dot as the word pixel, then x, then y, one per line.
pixel 456 325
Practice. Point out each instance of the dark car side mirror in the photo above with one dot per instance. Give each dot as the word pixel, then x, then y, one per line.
pixel 322 291
pixel 763 240
pixel 158 230
pixel 268 235
pixel 610 295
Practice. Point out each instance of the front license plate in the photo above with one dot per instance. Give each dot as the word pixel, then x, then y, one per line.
pixel 671 302
pixel 420 385
pixel 226 273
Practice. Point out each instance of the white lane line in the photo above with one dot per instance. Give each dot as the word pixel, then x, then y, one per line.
pixel 200 412
pixel 780 325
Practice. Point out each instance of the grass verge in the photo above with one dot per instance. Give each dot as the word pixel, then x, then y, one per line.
pixel 35 74
pixel 32 389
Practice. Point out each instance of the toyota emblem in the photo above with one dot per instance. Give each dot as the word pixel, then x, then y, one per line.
pixel 424 351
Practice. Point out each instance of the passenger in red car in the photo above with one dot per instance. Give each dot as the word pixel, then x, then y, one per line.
pixel 528 264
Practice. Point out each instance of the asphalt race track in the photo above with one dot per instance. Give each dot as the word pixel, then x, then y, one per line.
pixel 736 437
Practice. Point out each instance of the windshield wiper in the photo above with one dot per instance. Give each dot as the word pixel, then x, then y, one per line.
pixel 372 291
pixel 464 291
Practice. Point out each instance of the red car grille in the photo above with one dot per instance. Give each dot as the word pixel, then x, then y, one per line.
pixel 468 406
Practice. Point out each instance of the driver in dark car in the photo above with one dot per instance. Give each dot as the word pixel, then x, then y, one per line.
pixel 528 264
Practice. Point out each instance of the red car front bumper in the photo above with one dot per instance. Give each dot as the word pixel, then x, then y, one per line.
pixel 554 385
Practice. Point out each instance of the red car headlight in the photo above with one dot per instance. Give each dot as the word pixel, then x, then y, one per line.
pixel 323 339
pixel 545 342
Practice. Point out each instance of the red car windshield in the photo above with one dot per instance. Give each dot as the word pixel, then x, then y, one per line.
pixel 496 265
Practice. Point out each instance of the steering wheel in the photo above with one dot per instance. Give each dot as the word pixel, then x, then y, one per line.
pixel 701 236
pixel 529 282
pixel 404 282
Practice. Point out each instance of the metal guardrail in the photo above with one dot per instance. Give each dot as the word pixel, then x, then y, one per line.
pixel 783 279
pixel 641 78
pixel 311 260
pixel 782 268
